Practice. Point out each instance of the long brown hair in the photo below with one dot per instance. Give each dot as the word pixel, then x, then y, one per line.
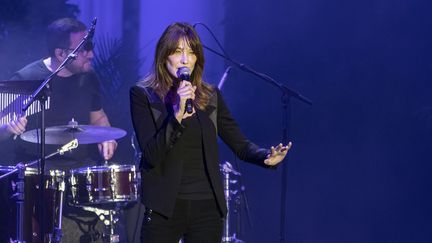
pixel 161 81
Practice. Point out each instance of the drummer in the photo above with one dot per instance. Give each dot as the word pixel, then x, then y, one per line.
pixel 75 93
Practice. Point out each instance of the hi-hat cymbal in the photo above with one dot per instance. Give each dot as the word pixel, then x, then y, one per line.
pixel 86 134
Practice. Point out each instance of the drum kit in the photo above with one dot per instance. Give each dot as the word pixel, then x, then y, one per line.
pixel 104 190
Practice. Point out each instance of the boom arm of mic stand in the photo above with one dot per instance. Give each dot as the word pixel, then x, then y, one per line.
pixel 265 77
pixel 67 147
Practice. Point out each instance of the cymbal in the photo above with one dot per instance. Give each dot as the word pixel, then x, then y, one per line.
pixel 86 134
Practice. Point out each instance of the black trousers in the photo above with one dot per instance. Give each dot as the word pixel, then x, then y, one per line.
pixel 196 221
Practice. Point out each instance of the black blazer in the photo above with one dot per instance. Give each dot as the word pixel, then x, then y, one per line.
pixel 157 132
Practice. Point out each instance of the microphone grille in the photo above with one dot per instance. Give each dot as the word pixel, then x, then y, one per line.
pixel 183 70
pixel 183 73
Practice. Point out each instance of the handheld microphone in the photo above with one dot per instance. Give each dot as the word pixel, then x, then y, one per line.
pixel 183 73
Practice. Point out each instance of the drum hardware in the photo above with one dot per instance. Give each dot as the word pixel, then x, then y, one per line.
pixel 28 220
pixel 56 184
pixel 20 203
pixel 57 234
pixel 109 219
pixel 228 170
pixel 65 148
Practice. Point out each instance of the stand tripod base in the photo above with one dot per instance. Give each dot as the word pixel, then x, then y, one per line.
pixel 114 238
pixel 231 239
pixel 56 236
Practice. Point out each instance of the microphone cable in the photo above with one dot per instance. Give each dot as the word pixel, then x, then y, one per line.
pixel 214 37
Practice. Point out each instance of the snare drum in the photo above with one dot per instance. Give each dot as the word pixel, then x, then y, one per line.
pixel 52 200
pixel 104 184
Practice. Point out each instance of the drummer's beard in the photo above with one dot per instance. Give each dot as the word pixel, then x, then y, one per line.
pixel 80 66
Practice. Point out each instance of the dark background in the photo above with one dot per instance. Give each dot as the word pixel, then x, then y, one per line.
pixel 359 169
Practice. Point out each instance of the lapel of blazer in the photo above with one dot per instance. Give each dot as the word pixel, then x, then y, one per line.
pixel 207 119
pixel 157 107
pixel 209 134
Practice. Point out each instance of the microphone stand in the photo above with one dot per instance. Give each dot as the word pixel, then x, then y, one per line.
pixel 270 80
pixel 41 95
pixel 287 93
pixel 67 147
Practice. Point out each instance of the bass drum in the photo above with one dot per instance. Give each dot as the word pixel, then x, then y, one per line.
pixel 52 201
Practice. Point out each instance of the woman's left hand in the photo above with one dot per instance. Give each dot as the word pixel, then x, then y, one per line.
pixel 277 154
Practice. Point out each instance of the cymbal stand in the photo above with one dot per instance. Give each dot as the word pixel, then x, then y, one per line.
pixel 57 234
pixel 109 219
pixel 20 204
pixel 227 169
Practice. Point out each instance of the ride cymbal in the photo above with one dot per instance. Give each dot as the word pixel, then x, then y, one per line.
pixel 86 134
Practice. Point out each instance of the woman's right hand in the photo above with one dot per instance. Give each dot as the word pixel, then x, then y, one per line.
pixel 184 91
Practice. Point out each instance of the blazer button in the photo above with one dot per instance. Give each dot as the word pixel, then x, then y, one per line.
pixel 179 134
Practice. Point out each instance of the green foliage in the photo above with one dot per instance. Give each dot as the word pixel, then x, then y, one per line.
pixel 116 67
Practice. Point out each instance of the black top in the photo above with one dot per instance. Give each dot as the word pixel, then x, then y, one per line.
pixel 159 136
pixel 195 182
pixel 70 97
